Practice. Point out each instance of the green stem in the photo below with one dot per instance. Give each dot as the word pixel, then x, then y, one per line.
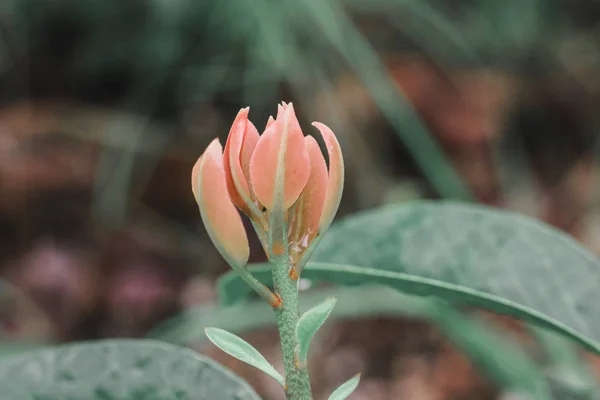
pixel 287 314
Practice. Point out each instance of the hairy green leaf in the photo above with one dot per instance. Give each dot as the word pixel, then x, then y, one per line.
pixel 345 389
pixel 243 351
pixel 309 323
pixel 119 369
pixel 491 258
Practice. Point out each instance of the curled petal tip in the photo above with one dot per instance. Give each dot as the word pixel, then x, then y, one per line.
pixel 220 217
pixel 269 122
pixel 238 149
pixel 335 185
pixel 243 113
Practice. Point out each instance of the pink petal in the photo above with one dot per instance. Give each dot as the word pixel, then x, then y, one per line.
pixel 220 217
pixel 250 142
pixel 195 176
pixel 280 149
pixel 308 209
pixel 335 185
pixel 241 141
pixel 235 137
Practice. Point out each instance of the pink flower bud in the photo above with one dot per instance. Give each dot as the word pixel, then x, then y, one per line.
pixel 221 219
pixel 279 171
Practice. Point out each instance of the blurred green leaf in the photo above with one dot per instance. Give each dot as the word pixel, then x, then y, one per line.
pixel 471 255
pixel 436 35
pixel 474 252
pixel 11 348
pixel 495 353
pixel 119 369
pixel 345 389
pixel 565 366
pixel 309 323
pixel 235 290
pixel 237 347
pixel 339 30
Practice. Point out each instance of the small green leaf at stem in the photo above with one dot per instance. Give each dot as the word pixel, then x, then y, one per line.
pixel 243 351
pixel 345 389
pixel 309 323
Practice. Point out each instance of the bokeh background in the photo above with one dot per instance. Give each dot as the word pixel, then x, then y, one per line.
pixel 106 105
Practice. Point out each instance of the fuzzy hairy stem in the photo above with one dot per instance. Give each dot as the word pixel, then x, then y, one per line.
pixel 287 314
pixel 297 381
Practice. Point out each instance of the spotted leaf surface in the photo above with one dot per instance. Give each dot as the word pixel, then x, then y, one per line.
pixel 478 255
pixel 119 370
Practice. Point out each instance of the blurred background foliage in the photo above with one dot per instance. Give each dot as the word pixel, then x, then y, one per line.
pixel 105 106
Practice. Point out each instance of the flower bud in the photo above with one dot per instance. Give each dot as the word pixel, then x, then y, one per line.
pixel 279 174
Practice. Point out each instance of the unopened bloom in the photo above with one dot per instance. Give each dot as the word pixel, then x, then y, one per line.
pixel 280 171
